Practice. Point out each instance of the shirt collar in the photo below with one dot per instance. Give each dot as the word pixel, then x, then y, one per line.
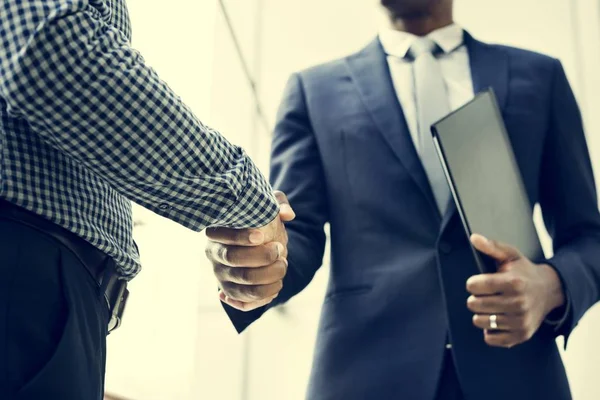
pixel 397 43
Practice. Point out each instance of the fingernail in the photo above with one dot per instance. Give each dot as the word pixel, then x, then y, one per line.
pixel 480 237
pixel 256 237
pixel 288 209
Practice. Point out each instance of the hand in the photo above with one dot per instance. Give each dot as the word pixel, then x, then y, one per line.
pixel 521 294
pixel 250 264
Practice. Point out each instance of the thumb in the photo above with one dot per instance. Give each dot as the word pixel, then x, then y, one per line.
pixel 267 233
pixel 501 252
pixel 286 212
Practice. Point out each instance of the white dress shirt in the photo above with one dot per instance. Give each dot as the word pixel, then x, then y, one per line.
pixel 454 63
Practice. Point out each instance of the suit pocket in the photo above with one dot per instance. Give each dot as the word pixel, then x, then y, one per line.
pixel 344 293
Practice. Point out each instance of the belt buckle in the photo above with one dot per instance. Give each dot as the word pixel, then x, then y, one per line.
pixel 118 308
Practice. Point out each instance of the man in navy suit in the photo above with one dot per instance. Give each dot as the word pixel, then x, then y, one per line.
pixel 407 314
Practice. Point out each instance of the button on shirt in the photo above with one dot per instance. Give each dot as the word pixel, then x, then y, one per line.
pixel 86 126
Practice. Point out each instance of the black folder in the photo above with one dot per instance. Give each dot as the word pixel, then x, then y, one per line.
pixel 484 178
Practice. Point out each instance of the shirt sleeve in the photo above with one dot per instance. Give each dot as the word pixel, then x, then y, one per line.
pixel 557 321
pixel 78 83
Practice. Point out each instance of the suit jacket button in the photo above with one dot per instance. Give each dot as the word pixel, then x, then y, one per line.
pixel 445 248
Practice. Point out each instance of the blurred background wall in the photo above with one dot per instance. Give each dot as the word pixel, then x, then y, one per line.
pixel 176 342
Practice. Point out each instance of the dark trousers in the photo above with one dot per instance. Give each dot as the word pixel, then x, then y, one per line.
pixel 53 320
pixel 449 387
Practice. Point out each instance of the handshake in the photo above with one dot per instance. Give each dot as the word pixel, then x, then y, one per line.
pixel 250 264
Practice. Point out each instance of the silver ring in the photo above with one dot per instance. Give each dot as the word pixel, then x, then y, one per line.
pixel 493 321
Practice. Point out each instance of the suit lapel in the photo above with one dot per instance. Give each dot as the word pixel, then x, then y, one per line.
pixel 489 68
pixel 370 72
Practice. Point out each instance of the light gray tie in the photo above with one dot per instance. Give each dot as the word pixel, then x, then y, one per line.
pixel 432 104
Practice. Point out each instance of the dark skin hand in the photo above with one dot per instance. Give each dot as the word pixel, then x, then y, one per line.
pixel 250 264
pixel 521 294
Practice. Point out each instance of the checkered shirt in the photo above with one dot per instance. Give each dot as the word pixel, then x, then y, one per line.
pixel 86 126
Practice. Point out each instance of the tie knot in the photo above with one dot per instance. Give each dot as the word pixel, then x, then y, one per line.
pixel 423 45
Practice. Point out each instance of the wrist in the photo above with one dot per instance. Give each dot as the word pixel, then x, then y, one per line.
pixel 555 291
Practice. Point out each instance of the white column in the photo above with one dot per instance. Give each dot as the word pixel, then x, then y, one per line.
pixel 583 354
pixel 154 354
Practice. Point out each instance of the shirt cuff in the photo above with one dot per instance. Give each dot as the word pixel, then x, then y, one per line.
pixel 255 206
pixel 558 317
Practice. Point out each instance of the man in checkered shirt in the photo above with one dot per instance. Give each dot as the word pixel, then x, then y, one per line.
pixel 85 127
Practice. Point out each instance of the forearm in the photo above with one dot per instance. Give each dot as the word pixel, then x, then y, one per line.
pixel 558 304
pixel 580 276
pixel 569 203
pixel 85 91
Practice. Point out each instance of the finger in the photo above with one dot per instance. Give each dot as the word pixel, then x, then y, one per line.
pixel 246 307
pixel 504 322
pixel 250 293
pixel 286 212
pixel 498 304
pixel 236 237
pixel 240 256
pixel 499 251
pixel 272 230
pixel 503 338
pixel 490 284
pixel 484 321
pixel 252 276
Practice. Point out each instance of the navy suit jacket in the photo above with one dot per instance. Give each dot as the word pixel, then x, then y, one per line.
pixel 343 154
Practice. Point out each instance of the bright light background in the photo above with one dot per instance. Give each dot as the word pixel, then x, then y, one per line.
pixel 176 342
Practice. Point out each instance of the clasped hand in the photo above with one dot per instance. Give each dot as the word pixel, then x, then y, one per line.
pixel 521 294
pixel 250 264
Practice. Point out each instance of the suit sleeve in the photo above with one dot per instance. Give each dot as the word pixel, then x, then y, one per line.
pixel 569 203
pixel 296 169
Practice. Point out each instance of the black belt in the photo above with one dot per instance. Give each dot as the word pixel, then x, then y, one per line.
pixel 98 264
